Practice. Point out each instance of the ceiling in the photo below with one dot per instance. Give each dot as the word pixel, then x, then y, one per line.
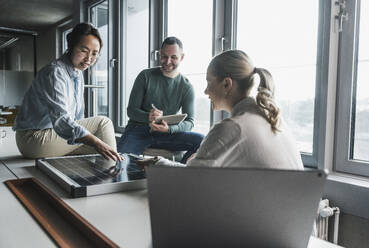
pixel 33 15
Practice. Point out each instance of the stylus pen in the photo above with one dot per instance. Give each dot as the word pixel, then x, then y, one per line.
pixel 153 106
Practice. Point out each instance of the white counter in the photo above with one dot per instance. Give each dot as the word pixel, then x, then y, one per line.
pixel 123 217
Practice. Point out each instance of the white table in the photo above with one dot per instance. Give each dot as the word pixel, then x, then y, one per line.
pixel 123 217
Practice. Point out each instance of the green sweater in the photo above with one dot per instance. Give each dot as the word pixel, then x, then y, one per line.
pixel 167 94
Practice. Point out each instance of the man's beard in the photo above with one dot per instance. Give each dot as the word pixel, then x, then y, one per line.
pixel 173 67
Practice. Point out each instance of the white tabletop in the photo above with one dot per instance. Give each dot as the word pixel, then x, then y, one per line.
pixel 123 217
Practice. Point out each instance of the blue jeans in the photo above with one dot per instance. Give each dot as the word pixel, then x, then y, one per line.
pixel 136 138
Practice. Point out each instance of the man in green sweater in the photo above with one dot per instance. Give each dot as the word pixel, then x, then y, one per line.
pixel 161 91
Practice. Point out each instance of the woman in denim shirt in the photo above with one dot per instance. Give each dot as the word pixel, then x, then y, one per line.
pixel 50 121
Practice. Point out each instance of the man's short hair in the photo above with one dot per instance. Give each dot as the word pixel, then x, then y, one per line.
pixel 171 41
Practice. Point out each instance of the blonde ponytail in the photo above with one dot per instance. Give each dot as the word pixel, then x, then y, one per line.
pixel 237 65
pixel 265 98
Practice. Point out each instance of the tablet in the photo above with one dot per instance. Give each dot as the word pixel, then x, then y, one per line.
pixel 171 119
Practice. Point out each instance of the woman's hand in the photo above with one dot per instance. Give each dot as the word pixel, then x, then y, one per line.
pixel 146 162
pixel 107 151
pixel 190 158
pixel 159 127
pixel 101 147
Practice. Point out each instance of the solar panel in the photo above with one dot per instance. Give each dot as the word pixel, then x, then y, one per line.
pixel 86 175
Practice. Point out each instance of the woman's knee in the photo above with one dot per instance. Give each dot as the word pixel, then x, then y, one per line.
pixel 103 120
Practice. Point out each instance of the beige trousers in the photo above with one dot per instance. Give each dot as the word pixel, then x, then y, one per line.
pixel 46 143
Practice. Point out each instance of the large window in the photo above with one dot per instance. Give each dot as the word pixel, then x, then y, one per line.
pixel 317 52
pixel 360 137
pixel 184 22
pixel 352 134
pixel 282 36
pixel 135 52
pixel 99 72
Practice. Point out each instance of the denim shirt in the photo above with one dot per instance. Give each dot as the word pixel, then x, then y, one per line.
pixel 54 100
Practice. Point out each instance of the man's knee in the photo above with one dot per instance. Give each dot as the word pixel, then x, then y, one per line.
pixel 197 138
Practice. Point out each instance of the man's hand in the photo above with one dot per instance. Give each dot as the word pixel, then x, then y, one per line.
pixel 160 127
pixel 154 113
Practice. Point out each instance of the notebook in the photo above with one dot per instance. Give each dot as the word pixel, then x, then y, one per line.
pixel 233 207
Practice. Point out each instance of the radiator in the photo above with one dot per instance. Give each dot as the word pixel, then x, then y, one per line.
pixel 322 221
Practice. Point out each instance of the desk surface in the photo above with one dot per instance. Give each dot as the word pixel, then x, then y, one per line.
pixel 123 217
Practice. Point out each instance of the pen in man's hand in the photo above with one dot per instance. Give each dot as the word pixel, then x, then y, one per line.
pixel 153 106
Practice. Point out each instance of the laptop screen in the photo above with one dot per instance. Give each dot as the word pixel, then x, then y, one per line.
pixel 232 207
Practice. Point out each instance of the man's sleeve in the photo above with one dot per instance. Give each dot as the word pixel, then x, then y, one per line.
pixel 136 97
pixel 187 108
pixel 56 97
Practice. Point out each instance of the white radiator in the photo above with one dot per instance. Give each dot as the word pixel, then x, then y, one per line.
pixel 322 221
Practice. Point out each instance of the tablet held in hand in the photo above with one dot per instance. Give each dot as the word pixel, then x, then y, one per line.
pixel 171 119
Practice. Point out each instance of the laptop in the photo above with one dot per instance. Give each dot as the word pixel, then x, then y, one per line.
pixel 233 207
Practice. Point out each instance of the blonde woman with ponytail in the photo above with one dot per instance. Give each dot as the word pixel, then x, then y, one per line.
pixel 255 136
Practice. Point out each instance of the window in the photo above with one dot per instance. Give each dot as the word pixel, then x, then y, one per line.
pixel 99 72
pixel 295 42
pixel 63 30
pixel 352 134
pixel 64 40
pixel 197 45
pixel 360 138
pixel 135 51
pixel 282 38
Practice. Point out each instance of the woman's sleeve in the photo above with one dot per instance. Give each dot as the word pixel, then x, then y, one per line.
pixel 219 142
pixel 57 97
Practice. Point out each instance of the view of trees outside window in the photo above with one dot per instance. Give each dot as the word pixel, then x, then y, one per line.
pixel 281 36
pixel 361 101
pixel 194 28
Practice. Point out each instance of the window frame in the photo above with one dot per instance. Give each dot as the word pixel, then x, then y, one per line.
pixel 120 112
pixel 346 84
pixel 63 30
pixel 113 76
pixel 321 89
